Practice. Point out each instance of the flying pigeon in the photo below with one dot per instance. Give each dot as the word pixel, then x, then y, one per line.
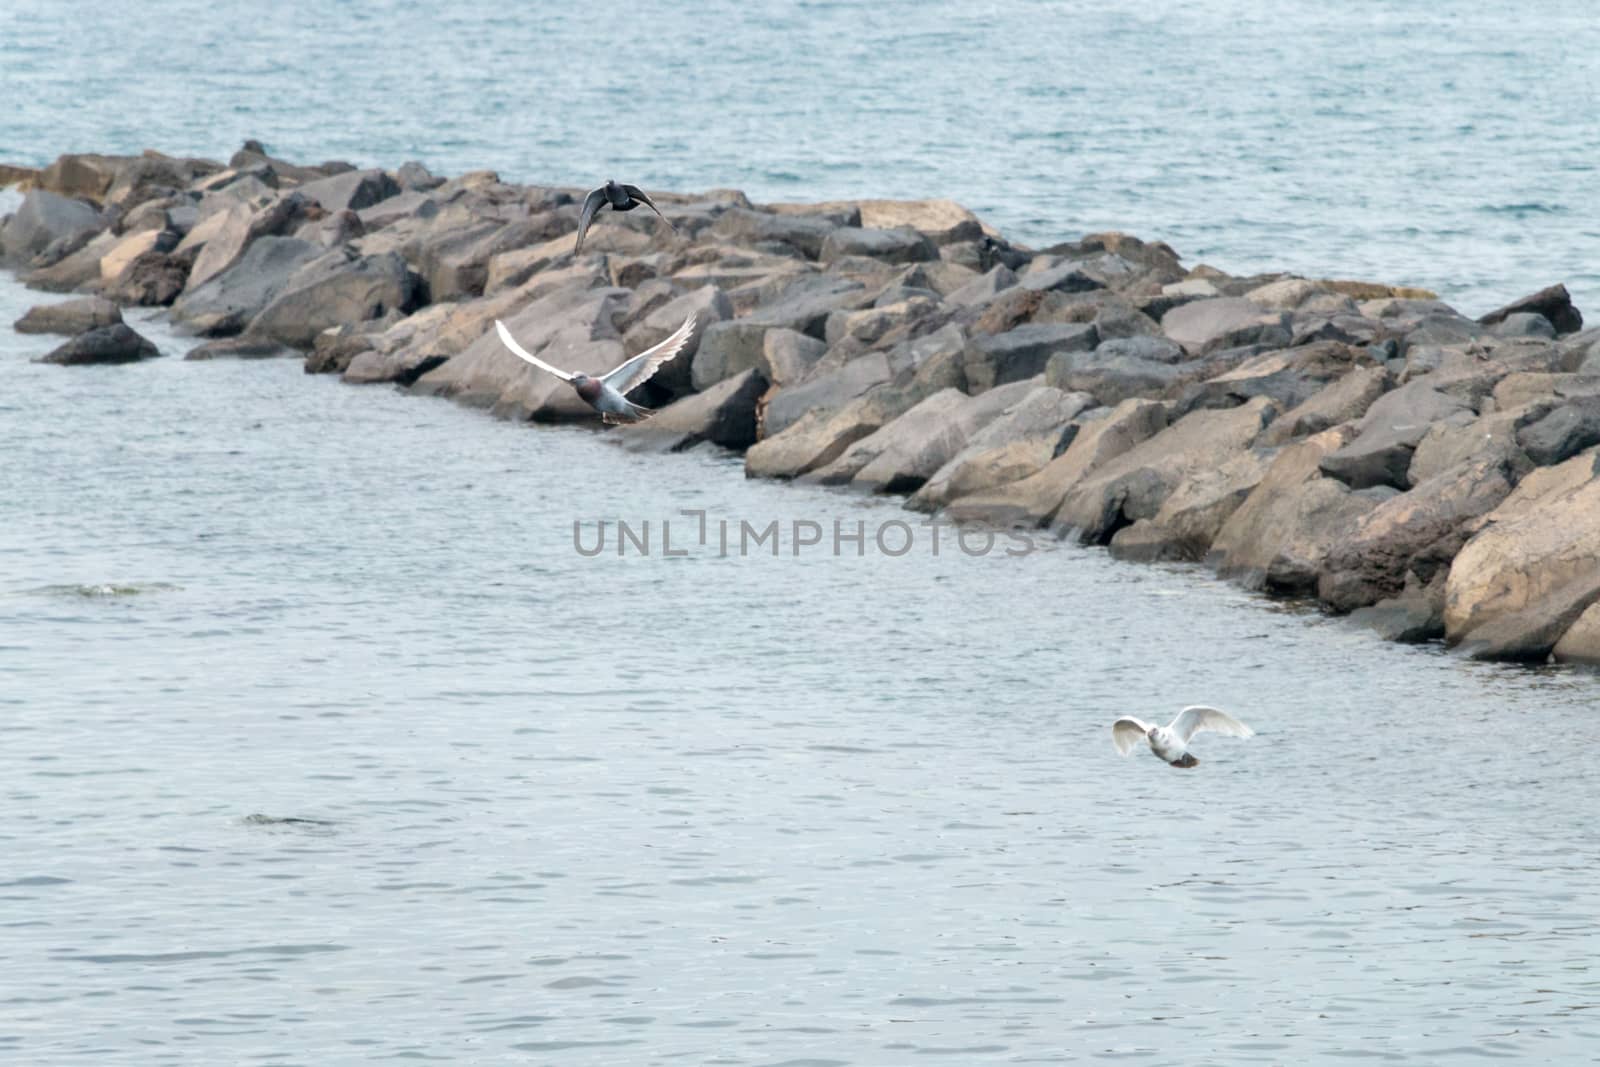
pixel 621 198
pixel 607 394
pixel 1171 742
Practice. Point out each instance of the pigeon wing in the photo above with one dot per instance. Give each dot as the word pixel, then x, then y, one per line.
pixel 1198 717
pixel 639 195
pixel 526 356
pixel 591 204
pixel 1127 732
pixel 641 368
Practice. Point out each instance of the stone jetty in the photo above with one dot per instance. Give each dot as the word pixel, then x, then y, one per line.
pixel 1432 475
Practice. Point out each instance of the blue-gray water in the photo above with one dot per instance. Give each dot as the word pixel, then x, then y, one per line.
pixel 758 811
pixel 1452 145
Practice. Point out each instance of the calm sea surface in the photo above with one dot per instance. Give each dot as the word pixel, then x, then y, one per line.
pixel 321 744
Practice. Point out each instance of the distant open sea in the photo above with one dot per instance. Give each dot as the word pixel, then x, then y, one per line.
pixel 1451 145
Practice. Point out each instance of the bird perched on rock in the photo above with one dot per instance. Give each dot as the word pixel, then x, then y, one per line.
pixel 620 197
pixel 607 394
pixel 1171 742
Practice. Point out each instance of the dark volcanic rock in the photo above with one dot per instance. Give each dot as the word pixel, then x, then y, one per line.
pixel 724 414
pixel 1563 433
pixel 1023 352
pixel 108 344
pixel 1554 303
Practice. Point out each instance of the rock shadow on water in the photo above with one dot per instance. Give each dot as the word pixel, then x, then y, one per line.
pixel 103 590
pixel 291 823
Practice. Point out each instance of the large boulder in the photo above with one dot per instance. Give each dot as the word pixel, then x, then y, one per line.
pixel 710 307
pixel 76 270
pixel 984 288
pixel 108 344
pixel 908 451
pixel 573 327
pixel 804 302
pixel 763 230
pixel 1533 569
pixel 81 174
pixel 1343 400
pixel 1188 520
pixel 1205 326
pixel 821 436
pixel 1023 352
pixel 1018 443
pixel 825 392
pixel 1415 534
pixel 226 303
pixel 153 279
pixel 1563 433
pixel 1135 485
pixel 1278 538
pixel 70 317
pixel 724 415
pixel 1554 304
pixel 1118 369
pixel 1288 377
pixel 42 219
pixel 351 190
pixel 220 240
pixel 898 245
pixel 337 287
pixel 1035 500
pixel 1389 433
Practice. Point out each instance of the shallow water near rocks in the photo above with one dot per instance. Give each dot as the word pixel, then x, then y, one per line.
pixel 1450 145
pixel 375 765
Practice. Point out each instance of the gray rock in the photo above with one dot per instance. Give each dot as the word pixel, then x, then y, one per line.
pixel 413 176
pixel 913 447
pixel 724 415
pixel 228 301
pixel 1414 616
pixel 1017 444
pixel 43 218
pixel 1108 377
pixel 351 190
pixel 827 392
pixel 1188 521
pixel 1389 433
pixel 1553 303
pixel 1278 538
pixel 70 317
pixel 1036 499
pixel 340 286
pixel 1524 324
pixel 900 245
pixel 803 234
pixel 1533 568
pixel 1341 401
pixel 1136 484
pixel 1064 276
pixel 108 344
pixel 77 270
pixel 1023 352
pixel 1224 322
pixel 242 347
pixel 1416 533
pixel 788 356
pixel 805 302
pixel 1563 433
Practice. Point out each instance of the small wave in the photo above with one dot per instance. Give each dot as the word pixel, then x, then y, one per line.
pixel 104 589
pixel 1532 207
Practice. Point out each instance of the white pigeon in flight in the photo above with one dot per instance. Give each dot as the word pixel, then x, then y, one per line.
pixel 1171 742
pixel 607 394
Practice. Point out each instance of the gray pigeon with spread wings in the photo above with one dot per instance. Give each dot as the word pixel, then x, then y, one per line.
pixel 608 394
pixel 1171 742
pixel 618 197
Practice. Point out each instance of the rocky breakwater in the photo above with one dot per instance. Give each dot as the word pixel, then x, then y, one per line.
pixel 1432 475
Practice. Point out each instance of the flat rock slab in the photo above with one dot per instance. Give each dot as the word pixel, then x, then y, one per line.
pixel 70 317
